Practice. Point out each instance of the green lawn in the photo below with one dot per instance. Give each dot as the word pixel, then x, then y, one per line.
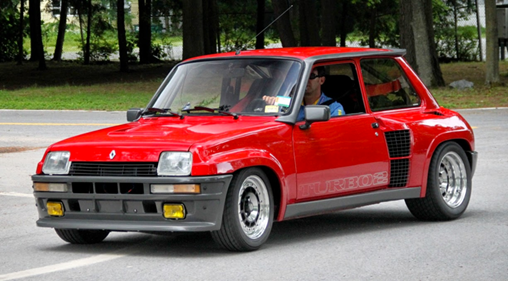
pixel 70 85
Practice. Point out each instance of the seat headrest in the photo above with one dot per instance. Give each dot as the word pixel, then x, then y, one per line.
pixel 336 86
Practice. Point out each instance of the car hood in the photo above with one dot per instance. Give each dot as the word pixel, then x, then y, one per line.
pixel 145 139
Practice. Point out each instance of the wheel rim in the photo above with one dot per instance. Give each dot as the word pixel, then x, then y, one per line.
pixel 452 179
pixel 253 207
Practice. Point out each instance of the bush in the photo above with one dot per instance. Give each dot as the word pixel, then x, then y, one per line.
pixel 467 43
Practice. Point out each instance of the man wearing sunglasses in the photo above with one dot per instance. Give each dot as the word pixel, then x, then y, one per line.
pixel 314 95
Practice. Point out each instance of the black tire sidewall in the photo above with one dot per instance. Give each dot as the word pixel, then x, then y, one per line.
pixel 433 190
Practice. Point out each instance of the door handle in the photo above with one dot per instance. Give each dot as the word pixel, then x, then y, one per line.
pixel 375 125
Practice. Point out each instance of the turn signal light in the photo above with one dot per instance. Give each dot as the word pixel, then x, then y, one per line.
pixel 55 209
pixel 50 187
pixel 174 211
pixel 175 188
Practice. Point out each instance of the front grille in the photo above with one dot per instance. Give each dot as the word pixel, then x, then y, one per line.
pixel 399 171
pixel 113 169
pixel 399 143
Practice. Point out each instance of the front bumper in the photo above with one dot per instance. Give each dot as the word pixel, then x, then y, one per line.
pixel 126 204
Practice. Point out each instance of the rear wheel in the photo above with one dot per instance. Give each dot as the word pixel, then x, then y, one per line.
pixel 248 212
pixel 448 186
pixel 75 236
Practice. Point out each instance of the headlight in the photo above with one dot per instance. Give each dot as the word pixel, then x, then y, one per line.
pixel 175 164
pixel 57 163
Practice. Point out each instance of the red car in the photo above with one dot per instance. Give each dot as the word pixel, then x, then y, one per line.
pixel 231 143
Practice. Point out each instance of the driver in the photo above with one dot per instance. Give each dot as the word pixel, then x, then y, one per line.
pixel 314 95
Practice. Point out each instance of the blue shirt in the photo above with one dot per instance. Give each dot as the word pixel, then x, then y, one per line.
pixel 336 108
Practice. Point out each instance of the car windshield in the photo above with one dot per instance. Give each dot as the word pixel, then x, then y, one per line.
pixel 229 87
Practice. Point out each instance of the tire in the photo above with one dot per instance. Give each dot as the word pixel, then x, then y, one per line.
pixel 248 212
pixel 448 186
pixel 75 236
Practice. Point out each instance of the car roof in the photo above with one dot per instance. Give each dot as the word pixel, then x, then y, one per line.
pixel 303 53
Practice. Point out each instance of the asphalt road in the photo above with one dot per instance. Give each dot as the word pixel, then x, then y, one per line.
pixel 379 242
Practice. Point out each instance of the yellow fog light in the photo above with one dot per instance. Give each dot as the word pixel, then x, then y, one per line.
pixel 55 209
pixel 175 188
pixel 174 211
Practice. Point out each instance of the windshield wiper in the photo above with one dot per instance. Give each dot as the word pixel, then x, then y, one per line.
pixel 161 111
pixel 209 109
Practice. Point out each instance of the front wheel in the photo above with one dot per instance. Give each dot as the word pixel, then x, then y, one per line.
pixel 76 236
pixel 248 212
pixel 448 186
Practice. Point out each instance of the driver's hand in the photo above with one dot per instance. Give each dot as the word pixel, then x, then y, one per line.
pixel 269 100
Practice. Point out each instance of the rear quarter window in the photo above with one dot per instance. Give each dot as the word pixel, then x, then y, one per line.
pixel 386 85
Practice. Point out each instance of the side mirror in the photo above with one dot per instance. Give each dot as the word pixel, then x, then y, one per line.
pixel 133 114
pixel 315 113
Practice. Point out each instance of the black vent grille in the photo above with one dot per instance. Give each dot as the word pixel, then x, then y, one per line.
pixel 399 171
pixel 113 169
pixel 399 143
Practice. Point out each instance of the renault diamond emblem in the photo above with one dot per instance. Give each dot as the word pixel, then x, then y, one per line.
pixel 112 154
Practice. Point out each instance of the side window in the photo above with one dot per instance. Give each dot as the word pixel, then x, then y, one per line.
pixel 387 86
pixel 341 84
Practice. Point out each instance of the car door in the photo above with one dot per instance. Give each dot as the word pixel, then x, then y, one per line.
pixel 344 155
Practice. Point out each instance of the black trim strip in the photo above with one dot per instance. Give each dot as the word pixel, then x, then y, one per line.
pixel 347 202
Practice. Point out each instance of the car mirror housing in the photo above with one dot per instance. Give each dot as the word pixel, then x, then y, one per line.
pixel 315 113
pixel 133 114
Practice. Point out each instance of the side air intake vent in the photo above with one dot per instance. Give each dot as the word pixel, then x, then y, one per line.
pixel 399 170
pixel 399 143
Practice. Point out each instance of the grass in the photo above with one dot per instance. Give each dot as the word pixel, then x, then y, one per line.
pixel 70 85
pixel 481 95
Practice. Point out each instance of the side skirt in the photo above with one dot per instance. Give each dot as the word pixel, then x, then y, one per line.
pixel 347 202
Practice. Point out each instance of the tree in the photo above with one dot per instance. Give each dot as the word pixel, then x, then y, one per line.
pixel 145 31
pixel 21 34
pixel 309 28
pixel 62 26
pixel 260 24
pixel 122 40
pixel 492 61
pixel 417 38
pixel 286 34
pixel 346 22
pixel 37 48
pixel 193 44
pixel 210 26
pixel 328 24
pixel 86 53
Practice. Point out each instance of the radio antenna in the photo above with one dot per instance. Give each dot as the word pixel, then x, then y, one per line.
pixel 244 46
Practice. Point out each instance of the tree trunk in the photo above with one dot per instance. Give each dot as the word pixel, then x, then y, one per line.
pixel 193 44
pixel 437 73
pixel 417 38
pixel 492 60
pixel 260 24
pixel 20 38
pixel 309 30
pixel 456 29
pixel 88 33
pixel 145 31
pixel 286 34
pixel 122 40
pixel 37 49
pixel 62 26
pixel 329 10
pixel 343 22
pixel 372 28
pixel 210 26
